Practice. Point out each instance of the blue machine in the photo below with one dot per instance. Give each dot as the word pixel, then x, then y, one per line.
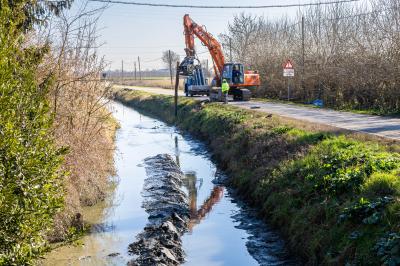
pixel 195 83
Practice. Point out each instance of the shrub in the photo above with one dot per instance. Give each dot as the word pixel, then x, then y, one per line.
pixel 30 182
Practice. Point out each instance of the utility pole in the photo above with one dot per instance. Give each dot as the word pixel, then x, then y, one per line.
pixel 122 70
pixel 135 69
pixel 140 72
pixel 176 89
pixel 230 49
pixel 318 53
pixel 207 74
pixel 170 67
pixel 303 57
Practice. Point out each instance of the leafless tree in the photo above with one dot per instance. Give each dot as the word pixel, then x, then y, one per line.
pixel 170 61
pixel 351 53
pixel 243 35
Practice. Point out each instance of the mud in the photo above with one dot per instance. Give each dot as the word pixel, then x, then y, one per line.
pixel 167 206
pixel 264 245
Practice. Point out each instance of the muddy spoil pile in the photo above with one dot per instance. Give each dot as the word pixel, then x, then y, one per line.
pixel 160 242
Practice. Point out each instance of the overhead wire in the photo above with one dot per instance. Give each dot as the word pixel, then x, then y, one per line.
pixel 151 60
pixel 222 7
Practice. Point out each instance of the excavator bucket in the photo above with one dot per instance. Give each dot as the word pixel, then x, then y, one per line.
pixel 186 67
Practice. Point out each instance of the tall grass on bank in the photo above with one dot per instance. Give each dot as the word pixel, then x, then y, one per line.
pixel 335 197
pixel 81 120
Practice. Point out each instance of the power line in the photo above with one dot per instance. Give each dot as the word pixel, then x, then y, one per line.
pixel 362 14
pixel 222 7
pixel 152 60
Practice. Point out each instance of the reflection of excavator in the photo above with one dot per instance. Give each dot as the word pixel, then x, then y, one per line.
pixel 196 215
pixel 238 78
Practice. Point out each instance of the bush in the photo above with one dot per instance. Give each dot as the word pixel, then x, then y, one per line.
pixel 30 182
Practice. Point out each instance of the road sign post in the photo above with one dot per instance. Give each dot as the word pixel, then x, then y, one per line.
pixel 288 71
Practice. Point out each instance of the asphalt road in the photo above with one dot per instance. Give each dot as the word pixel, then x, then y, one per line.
pixel 376 125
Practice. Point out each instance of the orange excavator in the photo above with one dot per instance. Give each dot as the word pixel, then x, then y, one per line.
pixel 239 79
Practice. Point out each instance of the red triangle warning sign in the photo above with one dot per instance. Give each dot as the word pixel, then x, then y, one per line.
pixel 288 65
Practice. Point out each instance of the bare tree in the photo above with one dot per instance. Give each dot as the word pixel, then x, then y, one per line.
pixel 170 60
pixel 351 53
pixel 242 35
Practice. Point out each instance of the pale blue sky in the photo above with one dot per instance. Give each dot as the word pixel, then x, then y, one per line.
pixel 129 31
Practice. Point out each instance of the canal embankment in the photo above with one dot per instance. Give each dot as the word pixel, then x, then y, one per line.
pixel 333 194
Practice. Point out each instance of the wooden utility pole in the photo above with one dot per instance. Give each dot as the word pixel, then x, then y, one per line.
pixel 135 69
pixel 140 72
pixel 230 49
pixel 170 67
pixel 207 74
pixel 122 70
pixel 176 89
pixel 302 57
pixel 177 151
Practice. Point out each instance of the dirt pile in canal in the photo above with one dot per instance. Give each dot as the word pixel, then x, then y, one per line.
pixel 167 205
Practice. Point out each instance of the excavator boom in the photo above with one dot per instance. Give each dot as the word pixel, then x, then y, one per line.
pixel 214 47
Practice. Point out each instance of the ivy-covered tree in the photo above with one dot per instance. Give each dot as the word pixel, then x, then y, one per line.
pixel 35 11
pixel 31 189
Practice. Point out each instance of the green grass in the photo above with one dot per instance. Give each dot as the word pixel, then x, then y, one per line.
pixel 334 197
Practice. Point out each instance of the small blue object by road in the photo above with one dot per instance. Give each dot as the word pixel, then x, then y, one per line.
pixel 318 103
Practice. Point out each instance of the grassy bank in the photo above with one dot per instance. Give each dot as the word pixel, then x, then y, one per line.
pixel 333 195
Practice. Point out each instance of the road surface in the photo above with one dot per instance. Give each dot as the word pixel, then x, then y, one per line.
pixel 376 125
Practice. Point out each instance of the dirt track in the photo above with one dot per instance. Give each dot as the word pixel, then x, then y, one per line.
pixel 376 125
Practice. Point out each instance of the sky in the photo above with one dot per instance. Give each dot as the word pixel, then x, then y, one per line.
pixel 128 31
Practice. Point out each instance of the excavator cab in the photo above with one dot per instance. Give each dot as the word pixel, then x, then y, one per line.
pixel 233 73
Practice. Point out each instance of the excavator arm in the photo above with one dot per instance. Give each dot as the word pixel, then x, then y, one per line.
pixel 192 29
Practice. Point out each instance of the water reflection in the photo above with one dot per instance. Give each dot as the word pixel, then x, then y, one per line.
pixel 192 185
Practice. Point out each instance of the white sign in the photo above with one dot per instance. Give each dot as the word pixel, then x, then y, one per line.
pixel 288 72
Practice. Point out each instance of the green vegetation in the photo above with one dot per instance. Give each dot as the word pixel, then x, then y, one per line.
pixel 335 197
pixel 30 180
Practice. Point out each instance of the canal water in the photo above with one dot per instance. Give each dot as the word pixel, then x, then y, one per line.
pixel 224 230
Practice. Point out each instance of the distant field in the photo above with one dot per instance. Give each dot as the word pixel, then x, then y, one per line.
pixel 160 82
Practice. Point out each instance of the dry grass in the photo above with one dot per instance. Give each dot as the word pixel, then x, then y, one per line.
pixel 164 83
pixel 81 121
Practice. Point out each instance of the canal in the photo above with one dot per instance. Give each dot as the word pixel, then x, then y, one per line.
pixel 224 231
